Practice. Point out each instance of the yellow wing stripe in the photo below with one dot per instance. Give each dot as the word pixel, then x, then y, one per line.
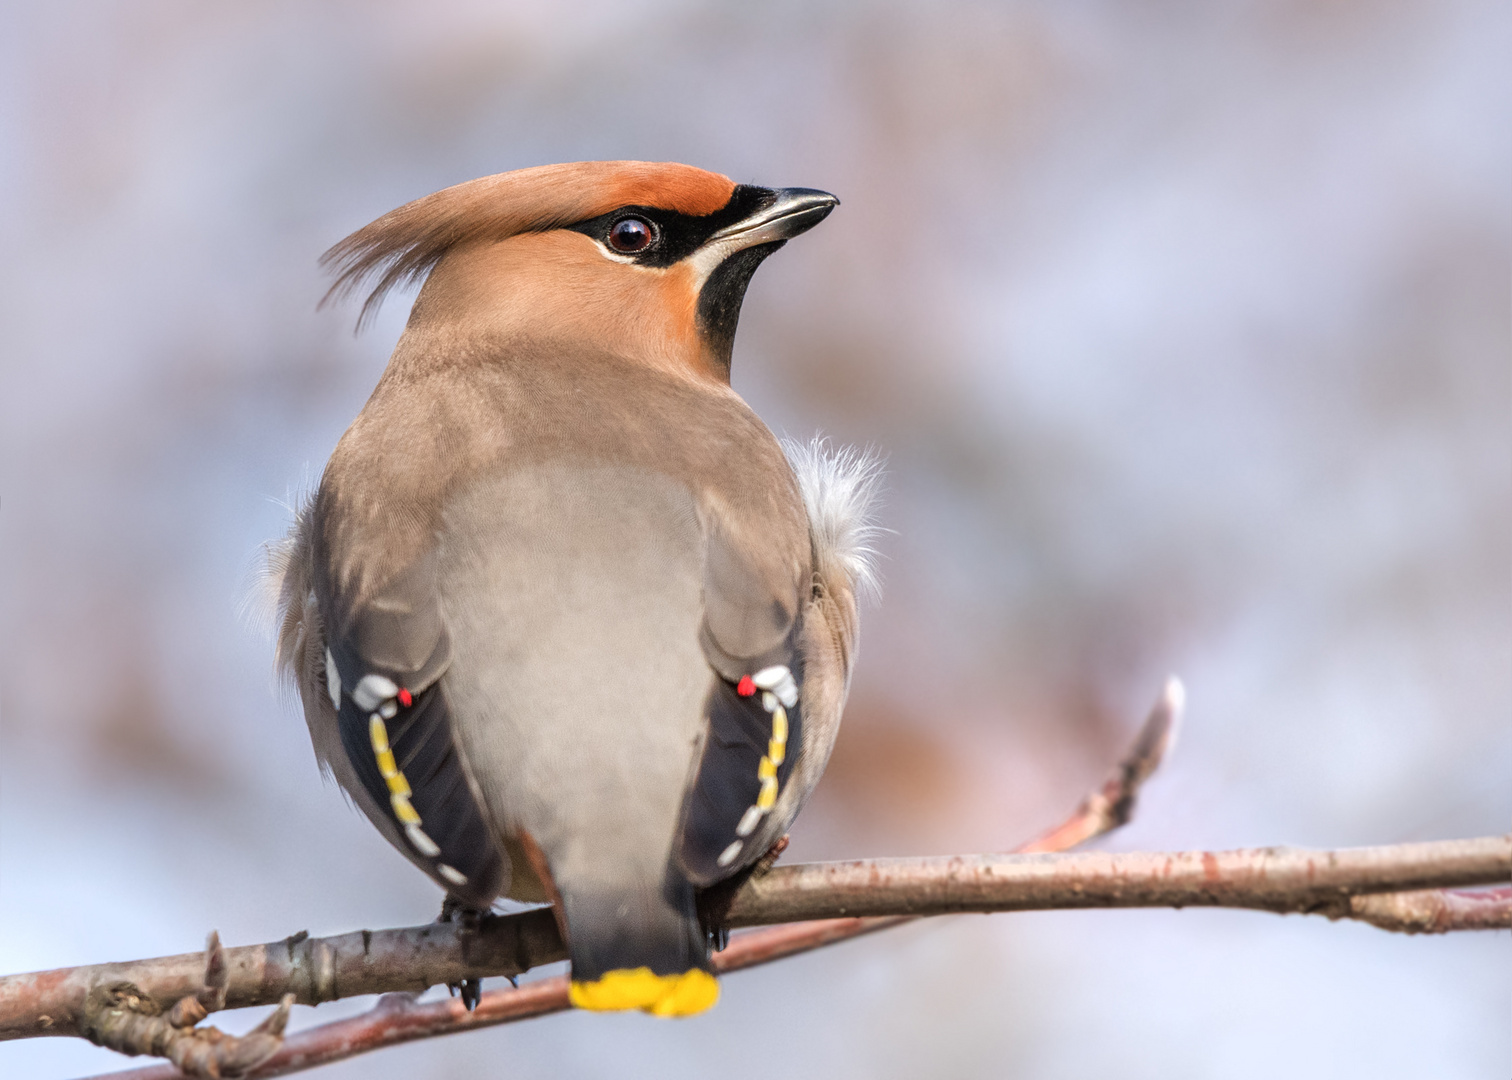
pixel 768 797
pixel 399 799
pixel 766 769
pixel 406 813
pixel 378 734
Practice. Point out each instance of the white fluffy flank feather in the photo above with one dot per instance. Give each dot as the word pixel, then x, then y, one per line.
pixel 279 600
pixel 840 486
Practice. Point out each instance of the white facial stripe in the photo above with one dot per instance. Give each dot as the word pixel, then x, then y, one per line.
pixel 614 256
pixel 703 262
pixel 706 259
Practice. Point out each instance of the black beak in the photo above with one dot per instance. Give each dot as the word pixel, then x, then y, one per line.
pixel 794 211
pixel 737 249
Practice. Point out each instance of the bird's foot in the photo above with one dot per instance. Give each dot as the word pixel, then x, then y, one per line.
pixel 714 902
pixel 466 916
pixel 468 919
pixel 470 990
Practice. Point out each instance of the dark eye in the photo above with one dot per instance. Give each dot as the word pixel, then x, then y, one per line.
pixel 631 234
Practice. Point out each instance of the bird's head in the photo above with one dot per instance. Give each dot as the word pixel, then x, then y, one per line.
pixel 646 260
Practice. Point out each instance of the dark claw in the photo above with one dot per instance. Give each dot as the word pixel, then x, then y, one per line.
pixel 472 992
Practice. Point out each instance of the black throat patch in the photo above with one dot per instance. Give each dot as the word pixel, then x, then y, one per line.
pixel 724 292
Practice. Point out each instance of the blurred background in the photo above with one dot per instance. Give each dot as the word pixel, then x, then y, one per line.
pixel 1184 328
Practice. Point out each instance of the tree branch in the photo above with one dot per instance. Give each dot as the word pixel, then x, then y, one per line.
pixel 1268 879
pixel 1364 883
pixel 415 958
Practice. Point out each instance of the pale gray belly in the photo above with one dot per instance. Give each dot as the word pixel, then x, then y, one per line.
pixel 572 594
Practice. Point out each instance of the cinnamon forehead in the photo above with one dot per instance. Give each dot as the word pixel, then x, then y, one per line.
pixel 404 244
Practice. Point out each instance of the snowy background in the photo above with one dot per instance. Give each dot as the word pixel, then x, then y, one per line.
pixel 1185 328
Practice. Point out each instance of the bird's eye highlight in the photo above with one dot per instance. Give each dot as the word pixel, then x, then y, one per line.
pixel 631 234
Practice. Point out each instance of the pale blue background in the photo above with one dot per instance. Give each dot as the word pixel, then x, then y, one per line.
pixel 1185 327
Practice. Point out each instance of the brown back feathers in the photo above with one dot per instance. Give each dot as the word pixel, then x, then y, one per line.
pixel 405 244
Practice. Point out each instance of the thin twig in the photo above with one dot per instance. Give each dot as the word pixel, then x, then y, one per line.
pixel 1111 806
pixel 118 1016
pixel 1436 911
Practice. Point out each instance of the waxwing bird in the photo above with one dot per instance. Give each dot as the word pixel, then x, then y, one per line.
pixel 567 623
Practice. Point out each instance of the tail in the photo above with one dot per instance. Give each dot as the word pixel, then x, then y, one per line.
pixel 638 948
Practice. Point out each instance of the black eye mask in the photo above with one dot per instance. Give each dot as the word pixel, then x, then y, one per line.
pixel 678 235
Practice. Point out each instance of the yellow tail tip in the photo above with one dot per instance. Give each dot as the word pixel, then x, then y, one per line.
pixel 686 994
